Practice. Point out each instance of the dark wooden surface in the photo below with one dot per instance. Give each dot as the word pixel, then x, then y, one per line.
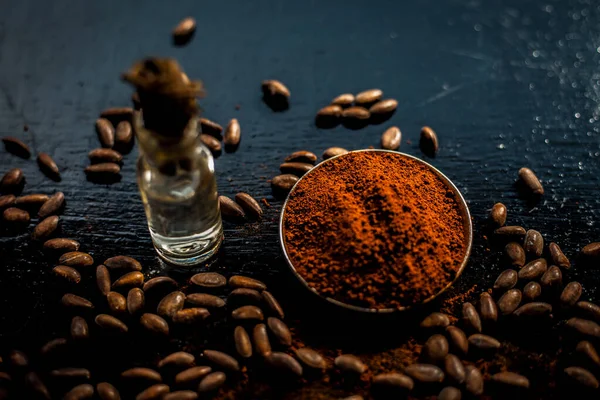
pixel 505 85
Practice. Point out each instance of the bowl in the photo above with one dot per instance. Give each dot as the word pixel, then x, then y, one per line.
pixel 463 210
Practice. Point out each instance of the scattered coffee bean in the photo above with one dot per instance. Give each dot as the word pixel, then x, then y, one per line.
pixel 582 377
pixel 116 302
pixel 428 142
pixel 350 364
pixel 210 127
pixel 106 132
pixel 117 114
pixel 515 254
pixel 487 308
pixel 247 313
pixel 584 326
pixel 134 278
pixel 107 391
pixel 18 359
pixel 356 114
pixel 170 304
pixel 533 244
pixel 552 278
pixel 123 262
pixel 511 232
pixel 12 181
pixel 159 282
pixel 140 373
pixel 333 151
pixel 558 257
pixel 262 345
pixel 470 317
pixel 52 346
pixel 483 342
pixel 511 379
pixel 435 320
pixel 532 291
pixel 391 138
pixel 135 301
pixel 239 281
pixel 530 182
pixel 124 137
pixel 474 380
pixel 498 215
pixel 242 342
pixel 181 395
pixel 368 96
pixel 535 309
pixel 35 384
pixel 273 304
pixel 533 270
pixel 233 134
pixel 222 360
pixel 15 216
pixel 302 156
pixel 509 301
pixel 81 373
pixel 458 339
pixel 435 348
pixel 79 329
pixel 295 168
pixel 275 90
pixel 311 358
pixel 53 206
pixel 103 279
pixel 68 273
pixel 213 144
pixel 191 315
pixel 155 324
pixel 392 383
pixel 71 300
pixel 80 392
pixel 48 166
pixel 280 330
pixel 591 251
pixel 230 209
pixel 177 359
pixel 454 368
pixel 211 382
pixel 8 200
pixel 184 31
pixel 205 300
pixel 450 393
pixel 210 280
pixel 31 200
pixel 191 375
pixel 103 155
pixel 590 309
pixel 425 373
pixel 16 146
pixel 249 205
pixel 76 259
pixel 103 170
pixel 386 106
pixel 61 245
pixel 284 183
pixel 154 392
pixel 506 280
pixel 587 350
pixel 328 116
pixel 343 100
pixel 45 228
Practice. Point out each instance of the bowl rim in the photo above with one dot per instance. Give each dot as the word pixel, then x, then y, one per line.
pixel 467 227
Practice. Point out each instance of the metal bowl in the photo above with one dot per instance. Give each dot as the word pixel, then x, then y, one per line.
pixel 467 226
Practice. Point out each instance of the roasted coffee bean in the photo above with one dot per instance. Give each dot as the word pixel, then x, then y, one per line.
pixel 498 215
pixel 435 348
pixel 80 392
pixel 487 308
pixel 280 330
pixel 15 216
pixel 116 302
pixel 170 304
pixel 274 89
pixel 458 339
pixel 154 392
pixel 273 304
pixel 210 127
pixel 155 324
pixel 332 152
pixel 368 96
pixel 386 106
pixel 343 100
pixel 210 280
pixel 582 377
pixel 454 368
pixel 123 262
pixel 117 114
pixel 212 143
pixel 18 359
pixel 532 291
pixel 530 182
pixel 230 209
pixel 103 170
pixel 103 279
pixel 483 342
pixel 511 379
pixel 591 250
pixel 248 313
pixel 191 375
pixel 506 280
pixel 106 132
pixel 474 380
pixel 435 320
pixel 211 382
pixel 392 383
pixel 590 309
pixel 135 301
pixel 242 342
pixel 249 205
pixel 511 232
pixel 222 360
pixel 68 273
pixel 81 373
pixel 74 301
pixel 191 315
pixel 328 116
pixel 134 278
pixel 558 257
pixel 295 168
pixel 470 317
pixel 45 228
pixel 450 393
pixel 509 301
pixel 302 156
pixel 102 155
pixel 533 244
pixel 587 350
pixel 233 134
pixel 79 329
pixel 534 309
pixel 356 114
pixel 533 270
pixel 123 136
pixel 552 278
pixel 177 359
pixel 159 282
pixel 35 384
pixel 16 147
pixel 239 281
pixel 107 391
pixel 8 200
pixel 181 395
pixel 76 259
pixel 61 245
pixel 12 181
pixel 262 345
pixel 515 254
pixel 428 142
pixel 584 326
pixel 48 166
pixel 53 206
pixel 205 300
pixel 425 373
pixel 283 183
pixel 285 362
pixel 31 200
pixel 53 346
pixel 184 31
pixel 140 373
pixel 391 138
pixel 311 358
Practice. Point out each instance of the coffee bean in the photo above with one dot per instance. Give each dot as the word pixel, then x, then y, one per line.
pixel 181 395
pixel 191 375
pixel 533 270
pixel 15 216
pixel 311 358
pixel 535 309
pixel 515 254
pixel 286 363
pixel 242 342
pixel 16 147
pixel 123 136
pixel 48 166
pixel 45 228
pixel 107 391
pixel 458 339
pixel 558 257
pixel 12 181
pixel 103 279
pixel 116 302
pixel 333 151
pixel 354 397
pixel 425 373
pixel 273 304
pixel 498 215
pixel 211 382
pixel 590 309
pixel 79 329
pixel 155 324
pixel 212 143
pixel 222 360
pixel 81 373
pixel 587 350
pixel 533 244
pixel 506 280
pixel 6 201
pixel 356 114
pixel 18 359
pixel 392 383
pixel 52 346
pixel 450 393
pixel 391 138
pixel 31 200
pixel 71 300
pixel 511 379
pixel 249 205
pixel 170 304
pixel 210 127
pixel 509 301
pixel 154 392
pixel 233 134
pixel 205 300
pixel 283 183
pixel 177 359
pixel 280 330
pixel 140 373
pixel 591 250
pixel 343 100
pixel 454 368
pixel 159 282
pixel 134 278
pixel 76 259
pixel 210 280
pixel 135 301
pixel 191 315
pixel 53 206
pixel 435 348
pixel 532 291
pixel 386 106
pixel 295 168
pixel 474 380
pixel 262 345
pixel 239 281
pixel 123 262
pixel 552 278
pixel 35 384
pixel 230 209
pixel 102 155
pixel 328 116
pixel 483 342
pixel 487 308
pixel 106 132
pixel 428 142
pixel 302 156
pixel 247 313
pixel 184 31
pixel 530 182
pixel 80 392
pixel 368 96
pixel 61 245
pixel 511 232
pixel 117 114
pixel 275 89
pixel 103 170
pixel 584 326
pixel 582 376
pixel 435 320
pixel 68 273
pixel 470 317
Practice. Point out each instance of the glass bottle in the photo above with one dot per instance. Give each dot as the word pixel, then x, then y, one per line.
pixel 178 188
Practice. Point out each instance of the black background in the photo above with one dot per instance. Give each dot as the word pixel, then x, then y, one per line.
pixel 504 84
